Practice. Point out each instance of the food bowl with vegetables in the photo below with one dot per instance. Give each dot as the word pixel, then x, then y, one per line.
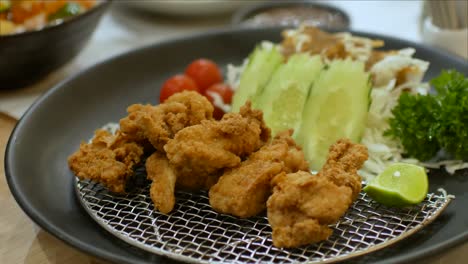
pixel 38 36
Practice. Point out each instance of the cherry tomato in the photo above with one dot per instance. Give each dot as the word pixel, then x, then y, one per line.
pixel 176 84
pixel 225 93
pixel 204 72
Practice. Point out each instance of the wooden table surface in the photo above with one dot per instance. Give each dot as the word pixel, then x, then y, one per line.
pixel 21 241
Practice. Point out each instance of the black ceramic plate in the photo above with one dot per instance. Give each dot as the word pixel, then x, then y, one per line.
pixel 36 156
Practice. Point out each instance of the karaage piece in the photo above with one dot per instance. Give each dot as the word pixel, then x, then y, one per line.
pixel 163 182
pixel 243 191
pixel 199 153
pixel 294 160
pixel 108 159
pixel 344 160
pixel 160 123
pixel 303 205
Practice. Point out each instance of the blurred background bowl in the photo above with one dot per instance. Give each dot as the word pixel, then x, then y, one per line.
pixel 188 8
pixel 29 56
pixel 292 13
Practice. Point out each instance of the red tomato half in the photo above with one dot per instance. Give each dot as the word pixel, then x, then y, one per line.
pixel 204 72
pixel 225 93
pixel 176 84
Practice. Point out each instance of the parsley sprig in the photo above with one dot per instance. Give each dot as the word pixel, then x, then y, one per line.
pixel 427 123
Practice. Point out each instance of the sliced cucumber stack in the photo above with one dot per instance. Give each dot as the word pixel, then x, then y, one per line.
pixel 282 100
pixel 262 63
pixel 336 108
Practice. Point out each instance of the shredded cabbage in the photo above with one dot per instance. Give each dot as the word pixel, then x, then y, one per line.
pixel 234 73
pixel 219 102
pixel 383 150
pixel 387 69
pixel 385 94
pixel 359 48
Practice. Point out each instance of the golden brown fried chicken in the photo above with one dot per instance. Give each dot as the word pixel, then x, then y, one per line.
pixel 163 182
pixel 294 159
pixel 243 191
pixel 199 153
pixel 303 205
pixel 160 123
pixel 344 160
pixel 108 159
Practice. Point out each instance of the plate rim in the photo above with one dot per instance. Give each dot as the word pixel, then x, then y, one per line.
pixel 41 219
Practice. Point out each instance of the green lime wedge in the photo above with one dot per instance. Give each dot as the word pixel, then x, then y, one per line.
pixel 399 185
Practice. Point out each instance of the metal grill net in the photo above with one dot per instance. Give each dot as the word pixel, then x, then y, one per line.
pixel 194 232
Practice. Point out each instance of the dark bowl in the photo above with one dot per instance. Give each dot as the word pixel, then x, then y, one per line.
pixel 240 17
pixel 27 57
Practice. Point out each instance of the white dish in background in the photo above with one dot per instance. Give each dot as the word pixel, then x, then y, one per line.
pixel 188 8
pixel 453 40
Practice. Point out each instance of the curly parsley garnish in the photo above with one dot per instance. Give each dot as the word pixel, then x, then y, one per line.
pixel 427 123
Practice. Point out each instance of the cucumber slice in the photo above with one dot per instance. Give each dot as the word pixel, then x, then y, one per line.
pixel 336 108
pixel 283 99
pixel 262 63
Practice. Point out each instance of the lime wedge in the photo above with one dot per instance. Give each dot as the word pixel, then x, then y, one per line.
pixel 399 185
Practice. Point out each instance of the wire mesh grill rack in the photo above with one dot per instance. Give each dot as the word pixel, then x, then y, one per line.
pixel 193 232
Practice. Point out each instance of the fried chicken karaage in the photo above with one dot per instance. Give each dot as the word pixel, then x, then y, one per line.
pixel 199 153
pixel 303 205
pixel 108 159
pixel 158 124
pixel 344 160
pixel 243 191
pixel 163 183
pixel 234 157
